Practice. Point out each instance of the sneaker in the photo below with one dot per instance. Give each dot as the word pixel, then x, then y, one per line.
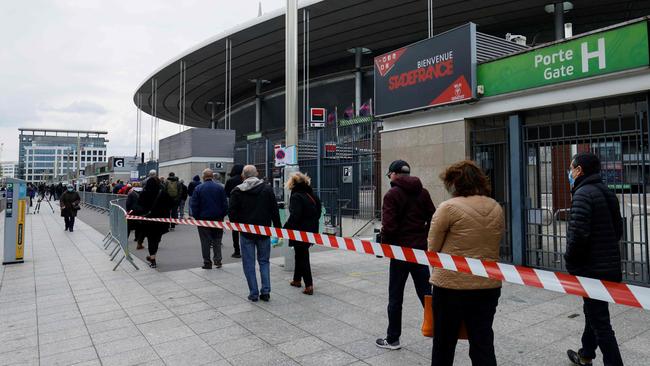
pixel 217 264
pixel 296 283
pixel 207 265
pixel 383 343
pixel 71 229
pixel 576 359
pixel 265 297
pixel 236 255
pixel 252 298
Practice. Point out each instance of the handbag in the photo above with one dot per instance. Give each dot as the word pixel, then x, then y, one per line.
pixel 428 322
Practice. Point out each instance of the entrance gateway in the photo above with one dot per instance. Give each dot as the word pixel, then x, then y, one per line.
pixel 615 129
pixel 534 110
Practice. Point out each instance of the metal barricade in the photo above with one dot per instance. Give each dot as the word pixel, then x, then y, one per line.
pixel 118 233
pixel 99 201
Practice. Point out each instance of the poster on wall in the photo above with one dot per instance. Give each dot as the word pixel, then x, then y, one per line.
pixel 433 72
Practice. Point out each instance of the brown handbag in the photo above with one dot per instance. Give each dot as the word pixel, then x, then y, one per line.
pixel 428 322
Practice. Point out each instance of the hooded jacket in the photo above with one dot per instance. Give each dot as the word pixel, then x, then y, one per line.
pixel 235 178
pixel 193 184
pixel 594 230
pixel 469 227
pixel 406 213
pixel 253 202
pixel 304 211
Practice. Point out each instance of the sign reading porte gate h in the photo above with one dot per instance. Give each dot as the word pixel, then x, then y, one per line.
pixel 615 50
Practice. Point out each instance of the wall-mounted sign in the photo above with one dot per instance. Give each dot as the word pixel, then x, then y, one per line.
pixel 436 71
pixel 118 162
pixel 595 54
pixel 317 117
pixel 347 174
pixel 285 155
pixel 330 150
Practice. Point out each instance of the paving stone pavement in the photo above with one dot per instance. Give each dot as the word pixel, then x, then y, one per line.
pixel 65 306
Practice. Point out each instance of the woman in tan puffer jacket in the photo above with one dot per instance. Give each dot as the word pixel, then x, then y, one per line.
pixel 470 225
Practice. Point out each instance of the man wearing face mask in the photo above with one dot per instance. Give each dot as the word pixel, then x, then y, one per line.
pixel 69 202
pixel 405 218
pixel 594 230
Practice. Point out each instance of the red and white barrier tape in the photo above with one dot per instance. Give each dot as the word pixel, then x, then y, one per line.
pixel 617 293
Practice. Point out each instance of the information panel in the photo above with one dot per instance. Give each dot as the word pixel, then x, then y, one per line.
pixel 436 71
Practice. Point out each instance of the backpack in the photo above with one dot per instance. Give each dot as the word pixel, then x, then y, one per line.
pixel 172 190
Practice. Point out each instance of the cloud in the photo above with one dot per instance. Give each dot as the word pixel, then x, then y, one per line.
pixel 80 107
pixel 75 63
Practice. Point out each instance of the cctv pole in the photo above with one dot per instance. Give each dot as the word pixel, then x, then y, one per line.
pixel 290 105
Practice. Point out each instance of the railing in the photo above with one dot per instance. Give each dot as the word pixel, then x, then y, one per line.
pixel 118 233
pixel 99 201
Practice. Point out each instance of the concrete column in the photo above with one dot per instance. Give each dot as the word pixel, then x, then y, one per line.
pixel 258 105
pixel 291 102
pixel 358 52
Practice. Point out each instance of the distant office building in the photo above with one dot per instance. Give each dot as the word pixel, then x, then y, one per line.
pixel 47 155
pixel 8 169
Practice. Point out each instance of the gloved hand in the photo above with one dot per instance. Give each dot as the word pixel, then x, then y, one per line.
pixel 276 242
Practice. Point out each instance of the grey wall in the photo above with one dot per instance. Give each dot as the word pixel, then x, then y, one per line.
pixel 198 142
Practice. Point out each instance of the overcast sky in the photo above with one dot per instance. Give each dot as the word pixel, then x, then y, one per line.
pixel 75 64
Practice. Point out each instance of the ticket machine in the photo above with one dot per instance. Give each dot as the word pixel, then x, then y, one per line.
pixel 14 230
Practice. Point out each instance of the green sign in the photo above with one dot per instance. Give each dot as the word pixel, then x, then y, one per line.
pixel 254 136
pixel 596 54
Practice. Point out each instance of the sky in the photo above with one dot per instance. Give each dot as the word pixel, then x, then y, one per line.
pixel 75 64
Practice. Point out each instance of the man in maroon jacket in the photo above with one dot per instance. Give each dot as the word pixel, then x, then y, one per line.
pixel 406 217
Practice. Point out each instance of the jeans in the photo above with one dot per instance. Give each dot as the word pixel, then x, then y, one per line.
pixel 398 274
pixel 476 308
pixel 69 222
pixel 210 238
pixel 302 269
pixel 181 210
pixel 598 333
pixel 263 247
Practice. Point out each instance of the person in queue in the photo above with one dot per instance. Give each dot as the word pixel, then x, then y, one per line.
pixel 153 202
pixel 406 215
pixel 304 215
pixel 594 230
pixel 131 206
pixel 470 224
pixel 69 202
pixel 209 203
pixel 253 202
pixel 232 182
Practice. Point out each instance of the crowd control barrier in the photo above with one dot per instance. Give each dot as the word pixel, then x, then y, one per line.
pixel 99 201
pixel 613 292
pixel 118 233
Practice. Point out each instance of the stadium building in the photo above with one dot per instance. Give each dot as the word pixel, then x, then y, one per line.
pixel 517 86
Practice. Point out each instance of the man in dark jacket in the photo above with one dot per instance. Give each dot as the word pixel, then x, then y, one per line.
pixel 406 216
pixel 253 202
pixel 594 230
pixel 190 190
pixel 209 203
pixel 182 200
pixel 234 180
pixel 173 188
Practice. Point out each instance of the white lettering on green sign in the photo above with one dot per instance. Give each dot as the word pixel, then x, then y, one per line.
pixel 596 54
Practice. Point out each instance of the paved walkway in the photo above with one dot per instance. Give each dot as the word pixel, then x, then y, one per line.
pixel 65 306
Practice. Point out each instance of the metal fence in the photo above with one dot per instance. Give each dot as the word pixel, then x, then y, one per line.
pixel 99 201
pixel 342 161
pixel 617 131
pixel 117 238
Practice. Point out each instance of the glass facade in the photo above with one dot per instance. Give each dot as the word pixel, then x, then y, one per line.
pixel 52 156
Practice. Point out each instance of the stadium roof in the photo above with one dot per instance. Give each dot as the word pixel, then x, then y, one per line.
pixel 339 25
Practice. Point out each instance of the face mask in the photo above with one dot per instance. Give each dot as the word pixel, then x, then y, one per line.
pixel 70 189
pixel 572 181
